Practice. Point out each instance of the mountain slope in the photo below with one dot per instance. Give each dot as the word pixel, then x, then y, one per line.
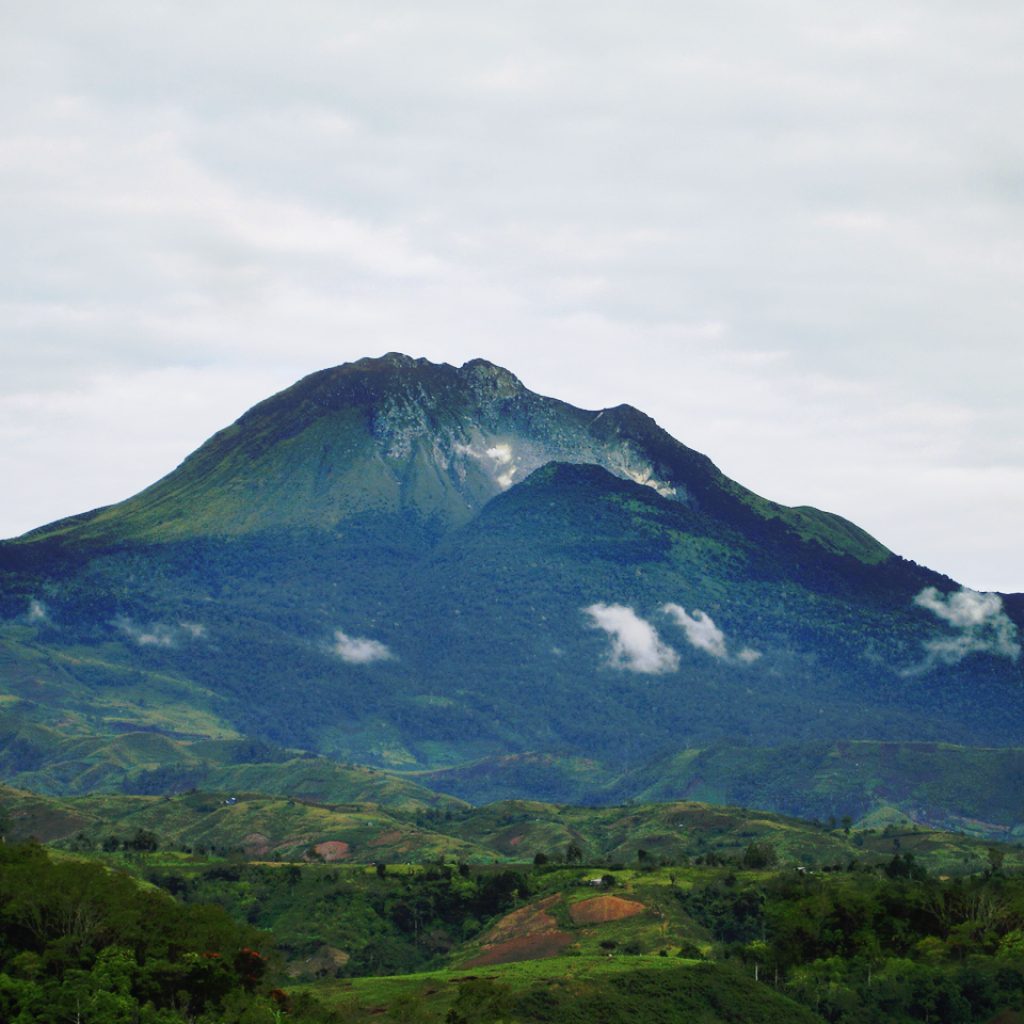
pixel 423 566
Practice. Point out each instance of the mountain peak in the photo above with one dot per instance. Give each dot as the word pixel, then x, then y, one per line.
pixel 398 436
pixel 495 381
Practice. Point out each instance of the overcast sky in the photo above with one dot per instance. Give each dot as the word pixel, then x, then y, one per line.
pixel 791 232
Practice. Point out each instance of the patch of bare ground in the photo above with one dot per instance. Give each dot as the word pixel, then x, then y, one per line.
pixel 528 920
pixel 324 963
pixel 526 947
pixel 529 933
pixel 600 909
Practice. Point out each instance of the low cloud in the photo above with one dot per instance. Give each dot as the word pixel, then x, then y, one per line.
pixel 158 634
pixel 979 623
pixel 153 635
pixel 358 650
pixel 702 633
pixel 636 646
pixel 700 629
pixel 37 612
pixel 498 460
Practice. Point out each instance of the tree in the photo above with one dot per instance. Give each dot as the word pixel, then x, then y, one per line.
pixel 573 854
pixel 143 841
pixel 759 855
pixel 995 858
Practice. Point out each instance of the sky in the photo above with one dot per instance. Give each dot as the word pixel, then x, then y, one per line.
pixel 793 233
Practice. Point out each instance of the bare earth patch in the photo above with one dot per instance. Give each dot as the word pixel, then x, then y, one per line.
pixel 526 947
pixel 528 920
pixel 529 933
pixel 332 850
pixel 604 908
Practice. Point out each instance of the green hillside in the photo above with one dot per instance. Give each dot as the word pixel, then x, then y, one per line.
pixel 259 826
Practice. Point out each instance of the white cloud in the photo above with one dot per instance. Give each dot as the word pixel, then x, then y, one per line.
pixel 964 609
pixel 357 650
pixel 153 635
pixel 700 630
pixel 981 627
pixel 37 611
pixel 158 634
pixel 702 633
pixel 498 460
pixel 636 646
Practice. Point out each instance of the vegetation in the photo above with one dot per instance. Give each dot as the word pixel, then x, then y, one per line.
pixel 713 942
pixel 276 828
pixel 80 943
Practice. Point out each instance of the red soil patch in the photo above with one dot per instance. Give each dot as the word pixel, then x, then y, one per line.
pixel 515 840
pixel 604 908
pixel 529 933
pixel 528 920
pixel 526 947
pixel 333 849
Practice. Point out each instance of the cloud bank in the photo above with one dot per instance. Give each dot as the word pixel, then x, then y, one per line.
pixel 358 650
pixel 979 623
pixel 636 646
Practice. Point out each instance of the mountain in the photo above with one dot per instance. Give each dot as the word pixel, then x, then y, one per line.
pixel 402 436
pixel 423 567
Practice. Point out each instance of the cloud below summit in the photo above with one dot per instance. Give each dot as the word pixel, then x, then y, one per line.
pixel 700 629
pixel 358 650
pixel 702 633
pixel 158 634
pixel 980 625
pixel 636 646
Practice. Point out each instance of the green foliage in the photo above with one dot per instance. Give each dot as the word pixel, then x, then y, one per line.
pixel 78 942
pixel 383 922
